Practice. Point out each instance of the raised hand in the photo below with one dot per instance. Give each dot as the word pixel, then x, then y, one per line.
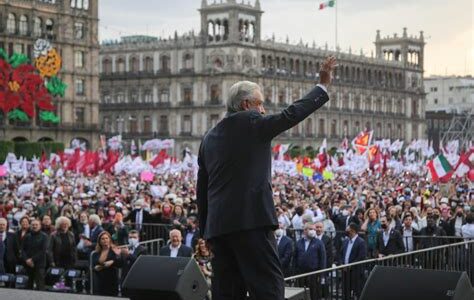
pixel 327 68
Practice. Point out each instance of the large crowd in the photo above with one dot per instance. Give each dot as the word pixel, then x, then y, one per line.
pixel 58 222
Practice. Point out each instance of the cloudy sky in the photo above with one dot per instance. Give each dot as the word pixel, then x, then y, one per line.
pixel 448 25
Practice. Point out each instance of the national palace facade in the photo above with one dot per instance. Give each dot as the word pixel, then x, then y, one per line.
pixel 177 87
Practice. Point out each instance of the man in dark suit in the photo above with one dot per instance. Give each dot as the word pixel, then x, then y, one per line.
pixel 409 233
pixel 285 251
pixel 341 221
pixel 323 290
pixel 95 225
pixel 191 233
pixel 131 253
pixel 34 253
pixel 138 216
pixel 310 256
pixel 234 191
pixel 11 250
pixel 389 240
pixel 353 249
pixel 176 248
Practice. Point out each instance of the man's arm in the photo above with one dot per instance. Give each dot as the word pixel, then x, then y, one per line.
pixel 201 192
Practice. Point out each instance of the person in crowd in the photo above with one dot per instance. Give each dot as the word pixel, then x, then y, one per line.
pixel 139 215
pixel 82 234
pixel 11 252
pixel 131 253
pixel 178 217
pixel 467 230
pixel 203 257
pixel 285 250
pixel 389 240
pixel 427 212
pixel 323 291
pixel 409 233
pixel 118 230
pixel 328 224
pixel 46 225
pixel 430 236
pixel 34 253
pixel 106 263
pixel 22 231
pixel 456 222
pixel 393 218
pixel 297 222
pixel 354 249
pixel 63 245
pixel 310 256
pixel 176 248
pixel 95 225
pixel 371 227
pixel 341 221
pixel 191 233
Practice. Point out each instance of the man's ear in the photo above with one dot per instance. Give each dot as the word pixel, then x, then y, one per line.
pixel 245 105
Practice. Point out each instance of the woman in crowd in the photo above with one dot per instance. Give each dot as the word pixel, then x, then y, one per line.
pixel 106 263
pixel 62 245
pixel 178 218
pixel 22 231
pixel 371 227
pixel 203 257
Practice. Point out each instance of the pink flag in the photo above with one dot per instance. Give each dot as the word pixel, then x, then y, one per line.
pixel 146 176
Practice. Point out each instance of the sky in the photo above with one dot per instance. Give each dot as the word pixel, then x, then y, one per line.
pixel 448 25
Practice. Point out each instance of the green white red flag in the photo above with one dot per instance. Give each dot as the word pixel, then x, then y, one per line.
pixel 440 168
pixel 326 4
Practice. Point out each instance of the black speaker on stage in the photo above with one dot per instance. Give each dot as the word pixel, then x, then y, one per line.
pixel 165 278
pixel 391 283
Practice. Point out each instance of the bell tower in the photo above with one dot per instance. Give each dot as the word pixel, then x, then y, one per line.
pixel 230 21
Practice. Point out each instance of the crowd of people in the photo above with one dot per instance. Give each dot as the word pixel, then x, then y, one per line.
pixel 60 221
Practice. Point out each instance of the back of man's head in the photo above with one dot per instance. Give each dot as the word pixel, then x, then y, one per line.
pixel 238 92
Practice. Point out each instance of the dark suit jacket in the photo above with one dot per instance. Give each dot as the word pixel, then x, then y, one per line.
pixel 285 253
pixel 234 178
pixel 195 238
pixel 358 252
pixel 312 259
pixel 184 251
pixel 395 243
pixel 2 254
pixel 132 217
pixel 94 235
pixel 12 251
pixel 129 260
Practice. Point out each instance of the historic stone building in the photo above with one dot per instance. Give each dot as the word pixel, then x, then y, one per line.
pixel 71 26
pixel 177 87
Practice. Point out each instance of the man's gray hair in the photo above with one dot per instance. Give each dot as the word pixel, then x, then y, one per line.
pixel 240 91
pixel 95 219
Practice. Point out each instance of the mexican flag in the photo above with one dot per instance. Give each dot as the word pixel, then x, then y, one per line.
pixel 440 168
pixel 329 3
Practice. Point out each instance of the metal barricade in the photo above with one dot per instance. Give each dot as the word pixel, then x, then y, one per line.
pixel 347 281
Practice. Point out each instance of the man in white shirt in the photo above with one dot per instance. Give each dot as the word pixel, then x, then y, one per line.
pixel 408 232
pixel 176 248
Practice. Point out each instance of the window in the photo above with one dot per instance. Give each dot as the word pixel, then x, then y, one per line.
pixel 133 96
pixel 281 96
pixel 23 28
pixel 321 129
pixel 164 96
pixel 106 66
pixel 120 97
pixel 133 65
pixel 334 128
pixel 148 64
pixel 79 115
pixel 78 30
pixel 79 87
pixel 186 124
pixel 309 127
pixel 120 65
pixel 11 23
pixel 146 124
pixel 106 98
pixel 106 123
pixel 188 94
pixel 133 124
pixel 37 27
pixel 49 28
pixel 188 62
pixel 163 124
pixel 451 88
pixel 435 101
pixel 215 93
pixel 165 64
pixel 80 4
pixel 78 59
pixel 345 127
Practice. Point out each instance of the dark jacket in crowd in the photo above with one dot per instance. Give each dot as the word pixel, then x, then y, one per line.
pixel 430 237
pixel 394 245
pixel 106 281
pixel 64 255
pixel 358 252
pixel 311 259
pixel 11 253
pixel 328 246
pixel 450 228
pixel 35 246
pixel 235 158
pixel 285 253
pixel 129 260
pixel 183 251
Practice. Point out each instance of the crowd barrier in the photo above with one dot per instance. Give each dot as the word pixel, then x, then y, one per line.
pixel 346 281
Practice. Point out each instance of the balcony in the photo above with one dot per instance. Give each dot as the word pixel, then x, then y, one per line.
pixel 215 102
pixel 186 103
pixel 189 71
pixel 135 106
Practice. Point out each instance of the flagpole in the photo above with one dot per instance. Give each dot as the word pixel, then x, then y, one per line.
pixel 335 4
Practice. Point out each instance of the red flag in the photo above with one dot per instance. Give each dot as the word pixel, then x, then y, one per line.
pixel 73 159
pixel 43 161
pixel 112 158
pixel 159 159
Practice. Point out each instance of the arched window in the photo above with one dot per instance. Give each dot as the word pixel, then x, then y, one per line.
pixel 134 65
pixel 120 65
pixel 309 127
pixel 106 66
pixel 148 64
pixel 49 28
pixel 165 64
pixel 215 93
pixel 11 23
pixel 37 27
pixel 23 28
pixel 187 61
